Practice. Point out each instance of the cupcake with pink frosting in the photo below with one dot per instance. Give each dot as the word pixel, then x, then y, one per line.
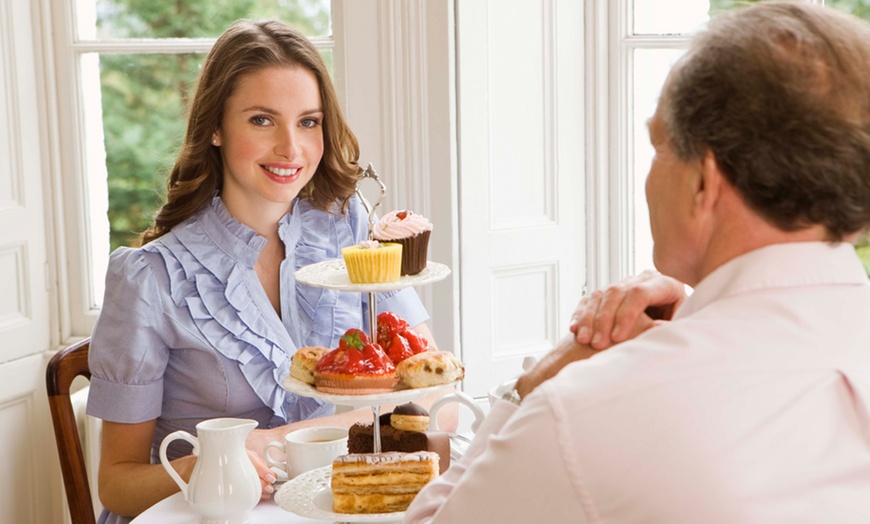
pixel 412 231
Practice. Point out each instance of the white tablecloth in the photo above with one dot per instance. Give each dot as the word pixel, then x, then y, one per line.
pixel 175 510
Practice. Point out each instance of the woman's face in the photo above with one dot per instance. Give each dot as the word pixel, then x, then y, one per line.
pixel 271 140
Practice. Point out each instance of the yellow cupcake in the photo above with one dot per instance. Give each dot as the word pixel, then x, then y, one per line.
pixel 373 262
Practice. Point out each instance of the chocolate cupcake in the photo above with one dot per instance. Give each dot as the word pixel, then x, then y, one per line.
pixel 412 232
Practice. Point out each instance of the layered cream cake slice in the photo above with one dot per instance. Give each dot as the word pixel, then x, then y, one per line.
pixel 380 482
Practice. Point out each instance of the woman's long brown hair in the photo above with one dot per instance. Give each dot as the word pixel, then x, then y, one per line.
pixel 244 48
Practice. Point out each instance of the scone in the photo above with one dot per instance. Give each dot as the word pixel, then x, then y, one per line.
pixel 303 361
pixel 430 368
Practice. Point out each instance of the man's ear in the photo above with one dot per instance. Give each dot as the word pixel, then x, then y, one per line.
pixel 710 180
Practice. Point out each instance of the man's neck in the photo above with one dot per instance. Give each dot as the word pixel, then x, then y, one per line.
pixel 745 231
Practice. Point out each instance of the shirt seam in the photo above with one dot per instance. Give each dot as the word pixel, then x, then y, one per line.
pixel 583 493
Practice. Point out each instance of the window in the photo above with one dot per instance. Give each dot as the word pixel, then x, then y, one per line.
pixel 127 68
pixel 648 36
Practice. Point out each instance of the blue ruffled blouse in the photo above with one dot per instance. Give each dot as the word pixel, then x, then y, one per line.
pixel 187 332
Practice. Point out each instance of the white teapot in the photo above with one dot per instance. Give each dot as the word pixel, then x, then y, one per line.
pixel 224 486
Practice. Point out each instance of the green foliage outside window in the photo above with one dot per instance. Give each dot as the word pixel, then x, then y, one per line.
pixel 144 96
pixel 860 8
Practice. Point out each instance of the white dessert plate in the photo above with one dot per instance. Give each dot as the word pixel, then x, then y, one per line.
pixel 309 495
pixel 393 397
pixel 332 274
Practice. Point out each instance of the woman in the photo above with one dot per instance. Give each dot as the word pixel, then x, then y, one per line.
pixel 200 321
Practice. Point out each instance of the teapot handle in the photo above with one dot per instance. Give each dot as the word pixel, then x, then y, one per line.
pixel 462 398
pixel 182 435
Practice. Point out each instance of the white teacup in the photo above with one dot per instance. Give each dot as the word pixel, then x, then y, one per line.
pixel 498 392
pixel 307 449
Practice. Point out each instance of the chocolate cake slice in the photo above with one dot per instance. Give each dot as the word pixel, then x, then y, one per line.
pixel 361 440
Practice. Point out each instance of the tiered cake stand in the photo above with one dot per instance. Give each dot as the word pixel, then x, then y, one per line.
pixel 307 495
pixel 332 274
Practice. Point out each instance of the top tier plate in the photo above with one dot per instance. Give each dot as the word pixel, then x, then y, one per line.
pixel 332 274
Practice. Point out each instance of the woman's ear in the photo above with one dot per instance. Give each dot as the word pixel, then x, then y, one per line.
pixel 215 139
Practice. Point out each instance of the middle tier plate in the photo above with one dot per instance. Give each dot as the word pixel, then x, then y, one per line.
pixel 393 397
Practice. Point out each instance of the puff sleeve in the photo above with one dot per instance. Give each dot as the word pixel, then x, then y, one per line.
pixel 128 355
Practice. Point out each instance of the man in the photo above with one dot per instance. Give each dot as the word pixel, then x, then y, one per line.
pixel 753 403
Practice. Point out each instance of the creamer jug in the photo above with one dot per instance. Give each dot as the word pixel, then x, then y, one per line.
pixel 224 486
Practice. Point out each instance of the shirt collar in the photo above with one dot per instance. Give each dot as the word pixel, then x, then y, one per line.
pixel 779 265
pixel 237 240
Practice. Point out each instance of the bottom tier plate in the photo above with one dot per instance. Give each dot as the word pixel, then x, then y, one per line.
pixel 309 495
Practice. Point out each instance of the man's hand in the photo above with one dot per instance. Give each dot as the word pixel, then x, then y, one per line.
pixel 567 351
pixel 626 309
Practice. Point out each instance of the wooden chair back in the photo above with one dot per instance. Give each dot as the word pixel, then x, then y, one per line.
pixel 63 367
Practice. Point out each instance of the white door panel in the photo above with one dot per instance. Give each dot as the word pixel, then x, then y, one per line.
pixel 520 106
pixel 27 455
pixel 23 294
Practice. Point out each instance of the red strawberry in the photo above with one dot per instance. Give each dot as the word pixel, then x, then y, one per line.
pixel 416 341
pixel 353 338
pixel 389 324
pixel 398 349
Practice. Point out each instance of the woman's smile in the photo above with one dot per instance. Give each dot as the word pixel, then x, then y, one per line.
pixel 283 174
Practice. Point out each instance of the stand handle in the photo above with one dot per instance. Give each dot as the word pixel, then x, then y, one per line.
pixel 371 173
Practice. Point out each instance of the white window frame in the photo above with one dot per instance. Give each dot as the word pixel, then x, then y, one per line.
pixel 610 184
pixel 609 139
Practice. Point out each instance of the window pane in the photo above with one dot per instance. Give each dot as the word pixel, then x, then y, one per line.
pixel 143 105
pixel 666 17
pixel 859 8
pixel 108 19
pixel 651 66
pixel 669 16
pixel 717 6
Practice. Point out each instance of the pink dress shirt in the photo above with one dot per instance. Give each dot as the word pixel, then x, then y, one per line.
pixel 752 406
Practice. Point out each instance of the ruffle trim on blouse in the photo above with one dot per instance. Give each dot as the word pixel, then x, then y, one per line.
pixel 326 309
pixel 218 295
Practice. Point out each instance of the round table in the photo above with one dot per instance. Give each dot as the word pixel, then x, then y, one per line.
pixel 175 510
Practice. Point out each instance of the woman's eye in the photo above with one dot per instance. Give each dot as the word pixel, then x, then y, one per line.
pixel 310 122
pixel 260 120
